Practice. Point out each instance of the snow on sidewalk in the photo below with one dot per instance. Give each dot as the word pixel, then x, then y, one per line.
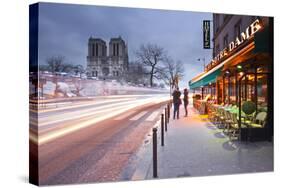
pixel 195 147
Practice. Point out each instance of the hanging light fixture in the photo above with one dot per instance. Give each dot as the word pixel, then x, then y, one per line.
pixel 227 72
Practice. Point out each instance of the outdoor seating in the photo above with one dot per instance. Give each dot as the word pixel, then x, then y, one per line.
pixel 216 118
pixel 259 121
pixel 211 112
pixel 221 118
pixel 234 126
pixel 228 121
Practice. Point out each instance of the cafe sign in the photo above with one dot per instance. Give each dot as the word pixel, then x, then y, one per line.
pixel 206 34
pixel 244 36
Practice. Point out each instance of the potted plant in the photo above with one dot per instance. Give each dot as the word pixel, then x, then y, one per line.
pixel 249 108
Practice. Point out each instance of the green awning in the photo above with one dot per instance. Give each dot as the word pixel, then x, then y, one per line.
pixel 209 78
pixel 262 41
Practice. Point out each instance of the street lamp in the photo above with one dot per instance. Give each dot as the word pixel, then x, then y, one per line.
pixel 202 59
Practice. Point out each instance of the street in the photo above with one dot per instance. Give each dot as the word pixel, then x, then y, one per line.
pixel 92 142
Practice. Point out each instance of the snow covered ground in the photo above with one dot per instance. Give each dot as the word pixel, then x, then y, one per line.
pixel 69 87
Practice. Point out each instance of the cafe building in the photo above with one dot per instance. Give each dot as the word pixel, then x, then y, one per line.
pixel 240 75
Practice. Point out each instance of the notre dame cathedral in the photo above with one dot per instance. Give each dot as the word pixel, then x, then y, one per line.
pixel 103 66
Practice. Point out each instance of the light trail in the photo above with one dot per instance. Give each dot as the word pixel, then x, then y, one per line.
pixel 97 116
pixel 57 118
pixel 84 104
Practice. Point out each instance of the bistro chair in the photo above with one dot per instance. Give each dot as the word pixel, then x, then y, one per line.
pixel 216 118
pixel 211 112
pixel 221 118
pixel 259 120
pixel 262 109
pixel 234 127
pixel 228 121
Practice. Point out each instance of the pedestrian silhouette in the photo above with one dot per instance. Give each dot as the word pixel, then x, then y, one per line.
pixel 177 102
pixel 185 101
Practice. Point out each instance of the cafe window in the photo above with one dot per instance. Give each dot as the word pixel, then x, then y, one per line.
pixel 247 88
pixel 262 89
pixel 220 91
pixel 226 90
pixel 232 89
pixel 254 87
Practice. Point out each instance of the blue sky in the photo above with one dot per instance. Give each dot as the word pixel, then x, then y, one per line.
pixel 64 30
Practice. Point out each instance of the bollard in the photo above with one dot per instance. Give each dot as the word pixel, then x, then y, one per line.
pixel 168 112
pixel 166 119
pixel 154 152
pixel 162 129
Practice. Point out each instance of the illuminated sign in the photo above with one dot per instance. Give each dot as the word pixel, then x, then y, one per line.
pixel 206 34
pixel 244 36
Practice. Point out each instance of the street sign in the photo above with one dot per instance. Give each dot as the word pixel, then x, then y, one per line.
pixel 206 34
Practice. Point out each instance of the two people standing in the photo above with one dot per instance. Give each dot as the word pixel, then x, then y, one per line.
pixel 177 102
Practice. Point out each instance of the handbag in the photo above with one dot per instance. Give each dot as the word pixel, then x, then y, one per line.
pixel 180 101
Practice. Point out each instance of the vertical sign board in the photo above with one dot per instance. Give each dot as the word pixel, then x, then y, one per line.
pixel 206 34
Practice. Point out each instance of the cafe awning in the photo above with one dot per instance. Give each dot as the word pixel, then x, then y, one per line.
pixel 262 43
pixel 205 79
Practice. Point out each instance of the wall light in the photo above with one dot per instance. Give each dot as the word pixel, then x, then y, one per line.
pixel 239 66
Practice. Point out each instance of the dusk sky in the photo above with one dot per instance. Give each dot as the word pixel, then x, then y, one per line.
pixel 64 29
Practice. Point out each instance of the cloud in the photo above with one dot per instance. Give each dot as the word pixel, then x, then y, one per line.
pixel 64 29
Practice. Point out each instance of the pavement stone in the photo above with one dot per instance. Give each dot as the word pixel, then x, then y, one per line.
pixel 195 147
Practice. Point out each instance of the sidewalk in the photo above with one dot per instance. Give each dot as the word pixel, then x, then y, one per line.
pixel 195 147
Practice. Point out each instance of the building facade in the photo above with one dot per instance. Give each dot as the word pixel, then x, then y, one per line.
pixel 103 65
pixel 242 65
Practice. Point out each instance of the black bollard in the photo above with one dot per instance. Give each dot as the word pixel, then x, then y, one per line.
pixel 168 107
pixel 154 152
pixel 162 129
pixel 166 119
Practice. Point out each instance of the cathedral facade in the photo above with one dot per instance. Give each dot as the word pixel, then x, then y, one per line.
pixel 107 66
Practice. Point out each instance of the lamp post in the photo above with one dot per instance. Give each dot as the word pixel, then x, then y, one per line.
pixel 202 59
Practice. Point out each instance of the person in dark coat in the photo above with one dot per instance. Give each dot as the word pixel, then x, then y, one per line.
pixel 185 101
pixel 177 102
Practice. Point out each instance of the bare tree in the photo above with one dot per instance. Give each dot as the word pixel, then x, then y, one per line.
pixel 172 72
pixel 179 73
pixel 55 63
pixel 67 67
pixel 58 64
pixel 79 86
pixel 151 55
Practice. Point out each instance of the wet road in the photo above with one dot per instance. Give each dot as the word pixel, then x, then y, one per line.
pixel 92 142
